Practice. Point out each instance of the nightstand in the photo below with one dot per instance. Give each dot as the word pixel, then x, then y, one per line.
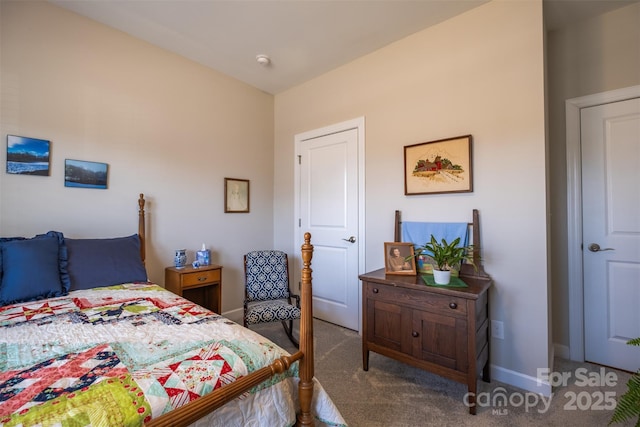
pixel 202 285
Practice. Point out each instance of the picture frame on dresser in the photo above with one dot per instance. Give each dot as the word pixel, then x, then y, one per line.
pixel 399 258
pixel 236 195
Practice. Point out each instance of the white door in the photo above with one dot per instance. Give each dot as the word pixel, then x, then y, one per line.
pixel 329 210
pixel 610 138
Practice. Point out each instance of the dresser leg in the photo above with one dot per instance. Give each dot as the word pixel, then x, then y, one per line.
pixel 365 359
pixel 472 389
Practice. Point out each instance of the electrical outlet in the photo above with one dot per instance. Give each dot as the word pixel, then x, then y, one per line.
pixel 497 329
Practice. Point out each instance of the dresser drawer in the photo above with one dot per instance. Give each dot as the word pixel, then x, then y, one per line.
pixel 423 300
pixel 200 277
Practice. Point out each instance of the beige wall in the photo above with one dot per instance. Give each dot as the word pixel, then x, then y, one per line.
pixel 589 57
pixel 480 73
pixel 166 126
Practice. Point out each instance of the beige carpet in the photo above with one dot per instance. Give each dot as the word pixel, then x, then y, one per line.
pixel 392 393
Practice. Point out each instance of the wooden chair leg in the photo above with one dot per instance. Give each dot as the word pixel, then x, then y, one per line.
pixel 289 331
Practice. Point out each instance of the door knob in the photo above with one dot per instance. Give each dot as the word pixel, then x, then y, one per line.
pixel 351 239
pixel 594 247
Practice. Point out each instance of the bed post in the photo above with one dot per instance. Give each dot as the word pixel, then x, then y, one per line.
pixel 141 226
pixel 305 387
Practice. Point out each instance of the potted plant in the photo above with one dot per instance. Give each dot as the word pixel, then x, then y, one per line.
pixel 445 256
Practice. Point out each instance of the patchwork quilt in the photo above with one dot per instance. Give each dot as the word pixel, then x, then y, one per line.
pixel 121 355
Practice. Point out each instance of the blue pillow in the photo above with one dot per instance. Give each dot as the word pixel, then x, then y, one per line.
pixel 95 263
pixel 2 240
pixel 34 268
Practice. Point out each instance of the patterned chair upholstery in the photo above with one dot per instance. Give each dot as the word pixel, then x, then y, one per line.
pixel 267 296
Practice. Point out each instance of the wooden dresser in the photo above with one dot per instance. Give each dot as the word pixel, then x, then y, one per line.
pixel 202 285
pixel 443 330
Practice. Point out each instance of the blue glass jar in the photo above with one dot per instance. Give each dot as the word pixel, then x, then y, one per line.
pixel 180 258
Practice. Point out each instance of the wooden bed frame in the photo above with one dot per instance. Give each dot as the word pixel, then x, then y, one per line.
pixel 193 411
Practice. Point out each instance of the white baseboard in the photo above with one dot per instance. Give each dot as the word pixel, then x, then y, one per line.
pixel 517 379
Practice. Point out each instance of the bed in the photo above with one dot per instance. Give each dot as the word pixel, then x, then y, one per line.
pixel 85 339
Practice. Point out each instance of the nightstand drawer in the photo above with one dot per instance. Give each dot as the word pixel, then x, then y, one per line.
pixel 200 277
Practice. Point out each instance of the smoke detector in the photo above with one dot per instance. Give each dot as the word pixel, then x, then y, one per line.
pixel 263 60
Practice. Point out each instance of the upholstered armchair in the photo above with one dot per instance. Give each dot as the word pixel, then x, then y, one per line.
pixel 267 295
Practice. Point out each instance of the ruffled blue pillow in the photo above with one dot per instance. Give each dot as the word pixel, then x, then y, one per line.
pixel 34 268
pixel 2 240
pixel 95 263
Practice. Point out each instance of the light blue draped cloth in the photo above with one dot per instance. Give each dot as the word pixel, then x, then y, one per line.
pixel 420 233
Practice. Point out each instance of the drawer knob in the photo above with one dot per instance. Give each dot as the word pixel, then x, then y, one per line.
pixel 375 290
pixel 415 334
pixel 202 278
pixel 453 305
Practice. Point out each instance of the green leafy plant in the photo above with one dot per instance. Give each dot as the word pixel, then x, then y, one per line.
pixel 446 255
pixel 628 406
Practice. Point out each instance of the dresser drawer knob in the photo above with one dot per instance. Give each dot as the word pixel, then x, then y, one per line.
pixel 415 334
pixel 202 278
pixel 453 305
pixel 375 290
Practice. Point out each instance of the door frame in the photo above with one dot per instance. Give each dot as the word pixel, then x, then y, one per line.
pixel 574 209
pixel 357 123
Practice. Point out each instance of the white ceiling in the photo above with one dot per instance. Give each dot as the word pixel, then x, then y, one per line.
pixel 303 38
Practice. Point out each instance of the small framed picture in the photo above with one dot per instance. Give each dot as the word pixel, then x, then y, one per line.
pixel 27 156
pixel 442 166
pixel 83 174
pixel 236 195
pixel 399 258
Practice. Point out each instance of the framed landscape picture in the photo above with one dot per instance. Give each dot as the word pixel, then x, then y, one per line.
pixel 83 174
pixel 442 166
pixel 27 156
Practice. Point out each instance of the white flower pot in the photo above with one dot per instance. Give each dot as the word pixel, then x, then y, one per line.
pixel 441 277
